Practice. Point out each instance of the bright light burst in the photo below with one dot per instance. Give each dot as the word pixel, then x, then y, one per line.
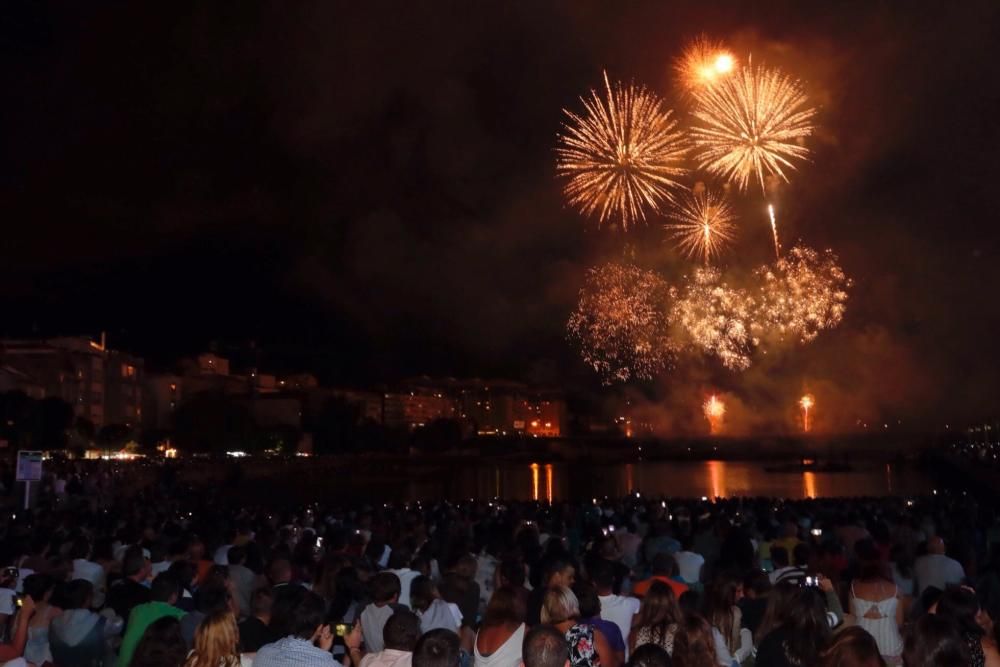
pixel 715 318
pixel 703 63
pixel 806 403
pixel 802 294
pixel 704 224
pixel 715 411
pixel 751 125
pixel 622 156
pixel 620 323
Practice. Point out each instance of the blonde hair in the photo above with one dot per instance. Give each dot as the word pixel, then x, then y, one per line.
pixel 215 642
pixel 560 604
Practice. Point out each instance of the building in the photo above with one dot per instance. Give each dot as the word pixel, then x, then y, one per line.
pixel 123 388
pixel 161 396
pixel 70 368
pixel 415 409
pixel 12 379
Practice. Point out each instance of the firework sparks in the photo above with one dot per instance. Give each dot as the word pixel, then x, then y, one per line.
pixel 806 403
pixel 715 411
pixel 620 323
pixel 703 63
pixel 622 156
pixel 716 318
pixel 774 231
pixel 751 125
pixel 804 293
pixel 704 224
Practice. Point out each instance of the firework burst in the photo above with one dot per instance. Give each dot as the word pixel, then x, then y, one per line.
pixel 622 156
pixel 715 318
pixel 620 323
pixel 751 125
pixel 802 294
pixel 715 411
pixel 704 224
pixel 703 63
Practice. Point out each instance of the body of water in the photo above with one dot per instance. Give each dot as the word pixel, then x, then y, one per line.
pixel 559 481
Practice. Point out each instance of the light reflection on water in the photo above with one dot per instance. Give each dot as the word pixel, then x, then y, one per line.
pixel 681 478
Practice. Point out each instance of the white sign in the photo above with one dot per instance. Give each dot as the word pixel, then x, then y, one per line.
pixel 29 466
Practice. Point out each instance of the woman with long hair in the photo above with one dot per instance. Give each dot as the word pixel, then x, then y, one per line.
pixel 875 603
pixel 778 604
pixel 732 642
pixel 694 645
pixel 961 606
pixel 588 647
pixel 797 640
pixel 499 640
pixel 657 620
pixel 852 647
pixel 216 642
pixel 935 641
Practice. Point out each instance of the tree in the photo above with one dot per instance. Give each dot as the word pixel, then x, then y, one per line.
pixel 113 436
pixel 214 422
pixel 336 427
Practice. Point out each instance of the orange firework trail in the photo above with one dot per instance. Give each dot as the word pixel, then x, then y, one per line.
pixel 774 230
pixel 704 224
pixel 806 403
pixel 714 410
pixel 622 156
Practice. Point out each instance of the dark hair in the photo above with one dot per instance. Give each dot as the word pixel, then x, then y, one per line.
pixel 663 564
pixel 586 595
pixel 162 644
pixel 37 585
pixel 134 561
pixel 649 655
pixel 504 607
pixel 961 606
pixel 852 647
pixel 693 643
pixel 236 555
pixel 554 567
pixel 385 586
pixel 934 641
pixel 164 586
pixel 779 557
pixel 401 631
pixel 422 593
pixel 210 599
pixel 658 611
pixel 307 615
pixel 758 582
pixel 778 605
pixel 80 548
pixel 400 558
pixel 602 574
pixel 720 598
pixel 77 594
pixel 544 646
pixel 807 625
pixel 182 571
pixel 261 601
pixel 801 553
pixel 512 572
pixel 437 648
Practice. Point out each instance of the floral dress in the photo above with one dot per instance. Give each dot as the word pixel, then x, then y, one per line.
pixel 582 647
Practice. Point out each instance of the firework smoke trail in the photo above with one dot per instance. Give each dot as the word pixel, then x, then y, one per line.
pixel 704 224
pixel 774 230
pixel 620 323
pixel 751 125
pixel 622 156
pixel 806 403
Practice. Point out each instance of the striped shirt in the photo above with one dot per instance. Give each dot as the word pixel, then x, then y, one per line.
pixel 293 652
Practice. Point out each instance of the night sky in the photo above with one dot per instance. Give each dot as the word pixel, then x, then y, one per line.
pixel 368 189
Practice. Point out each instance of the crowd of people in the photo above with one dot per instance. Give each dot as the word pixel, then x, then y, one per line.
pixel 177 576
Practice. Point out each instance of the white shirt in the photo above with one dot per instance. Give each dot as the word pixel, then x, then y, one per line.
pixel 92 572
pixel 619 610
pixel 406 577
pixel 937 570
pixel 689 565
pixel 222 554
pixel 389 657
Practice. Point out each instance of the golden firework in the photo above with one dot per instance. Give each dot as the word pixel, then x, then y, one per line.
pixel 751 125
pixel 704 224
pixel 806 403
pixel 703 63
pixel 622 156
pixel 715 318
pixel 802 294
pixel 715 411
pixel 620 323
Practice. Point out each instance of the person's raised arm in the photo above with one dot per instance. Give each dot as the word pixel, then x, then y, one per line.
pixel 16 648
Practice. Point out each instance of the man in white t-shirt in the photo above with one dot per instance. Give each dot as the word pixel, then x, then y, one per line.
pixel 401 633
pixel 689 563
pixel 618 609
pixel 399 565
pixel 937 569
pixel 84 568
